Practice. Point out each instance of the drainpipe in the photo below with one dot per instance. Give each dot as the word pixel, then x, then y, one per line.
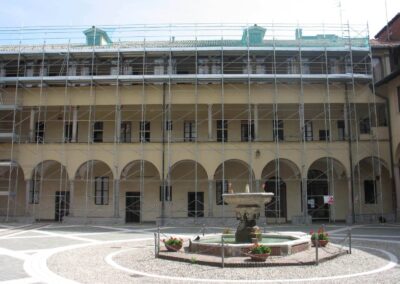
pixel 391 151
pixel 353 212
pixel 163 160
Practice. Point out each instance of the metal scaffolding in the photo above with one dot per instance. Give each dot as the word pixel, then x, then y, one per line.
pixel 268 88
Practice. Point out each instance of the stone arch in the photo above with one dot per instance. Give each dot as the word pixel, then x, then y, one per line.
pixel 372 189
pixel 12 179
pixel 284 182
pixel 329 165
pixel 139 192
pixel 93 167
pixel 188 182
pixel 236 172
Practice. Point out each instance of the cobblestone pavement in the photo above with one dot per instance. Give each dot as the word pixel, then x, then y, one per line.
pixel 55 253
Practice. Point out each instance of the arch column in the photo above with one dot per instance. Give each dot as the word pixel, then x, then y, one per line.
pixel 116 197
pixel 397 188
pixel 28 183
pixel 210 199
pixel 350 202
pixel 71 197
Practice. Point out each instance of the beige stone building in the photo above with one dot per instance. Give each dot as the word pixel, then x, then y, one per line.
pixel 155 123
pixel 386 60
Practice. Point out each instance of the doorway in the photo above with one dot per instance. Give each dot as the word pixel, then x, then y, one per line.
pixel 61 205
pixel 277 207
pixel 317 187
pixel 132 207
pixel 195 204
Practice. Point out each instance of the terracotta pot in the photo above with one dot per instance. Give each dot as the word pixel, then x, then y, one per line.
pixel 259 257
pixel 321 243
pixel 173 247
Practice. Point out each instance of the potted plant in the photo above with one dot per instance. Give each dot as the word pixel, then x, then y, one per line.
pixel 256 233
pixel 321 236
pixel 173 244
pixel 259 252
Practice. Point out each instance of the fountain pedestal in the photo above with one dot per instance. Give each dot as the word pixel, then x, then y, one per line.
pixel 248 208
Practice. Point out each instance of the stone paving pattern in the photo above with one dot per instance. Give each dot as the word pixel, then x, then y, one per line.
pixel 57 253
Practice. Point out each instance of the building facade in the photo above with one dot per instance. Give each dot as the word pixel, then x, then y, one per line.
pixel 155 123
pixel 386 61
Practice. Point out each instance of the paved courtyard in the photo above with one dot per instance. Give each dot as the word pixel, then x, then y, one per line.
pixel 56 253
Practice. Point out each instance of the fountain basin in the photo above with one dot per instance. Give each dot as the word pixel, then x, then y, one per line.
pixel 280 244
pixel 252 199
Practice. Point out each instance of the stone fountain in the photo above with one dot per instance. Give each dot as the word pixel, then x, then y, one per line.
pixel 248 208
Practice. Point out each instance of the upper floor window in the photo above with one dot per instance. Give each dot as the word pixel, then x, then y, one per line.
pixel 68 132
pixel 39 132
pixel 277 128
pixel 247 130
pixel 125 132
pixel 341 130
pixel 98 131
pixel 144 132
pixel 377 68
pixel 324 135
pixel 189 131
pixel 308 131
pixel 222 130
pixel 365 126
pixel 168 125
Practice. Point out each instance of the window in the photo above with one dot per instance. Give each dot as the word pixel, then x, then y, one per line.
pixel 39 132
pixel 370 192
pixel 34 192
pixel 365 126
pixel 341 132
pixel 166 194
pixel 189 131
pixel 247 131
pixel 144 132
pixel 222 130
pixel 324 135
pixel 221 188
pixel 125 132
pixel 98 132
pixel 168 125
pixel 277 129
pixel 68 132
pixel 398 98
pixel 101 190
pixel 377 69
pixel 308 131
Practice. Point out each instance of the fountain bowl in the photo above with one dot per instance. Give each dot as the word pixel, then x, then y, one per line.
pixel 253 198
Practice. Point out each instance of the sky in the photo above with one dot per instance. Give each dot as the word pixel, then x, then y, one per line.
pixel 17 13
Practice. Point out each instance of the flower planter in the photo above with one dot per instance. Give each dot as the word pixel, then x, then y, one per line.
pixel 259 257
pixel 173 247
pixel 321 243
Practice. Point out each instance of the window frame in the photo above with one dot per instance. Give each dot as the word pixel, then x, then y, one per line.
pixel 222 130
pixel 341 126
pixel 326 136
pixel 39 131
pixel 125 133
pixel 246 128
pixel 34 192
pixel 97 132
pixel 144 131
pixel 104 199
pixel 166 194
pixel 278 130
pixel 68 131
pixel 308 131
pixel 189 131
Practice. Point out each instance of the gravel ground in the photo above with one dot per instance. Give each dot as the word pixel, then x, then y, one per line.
pixel 87 265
